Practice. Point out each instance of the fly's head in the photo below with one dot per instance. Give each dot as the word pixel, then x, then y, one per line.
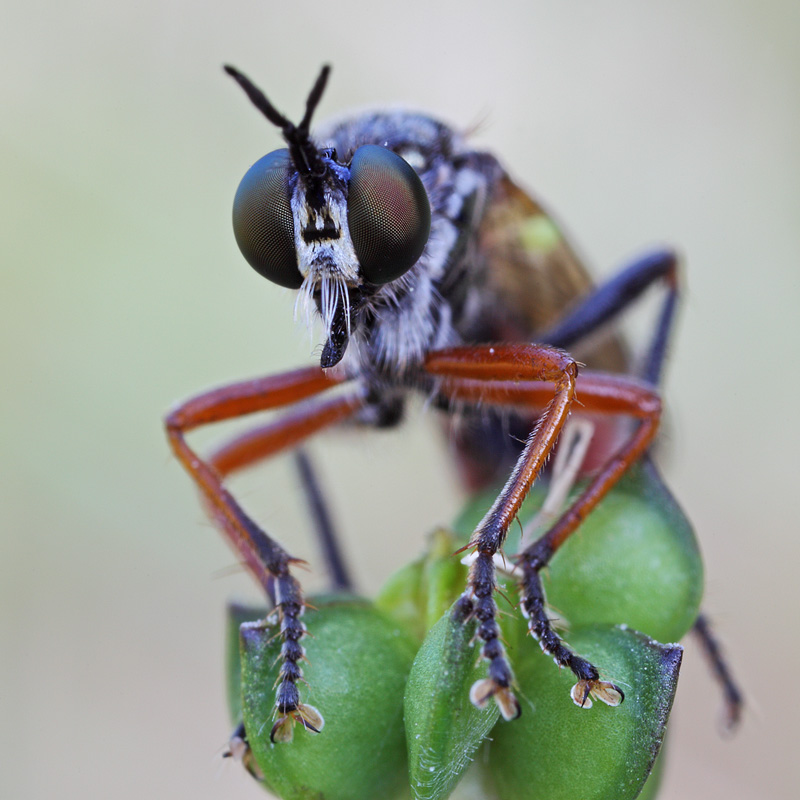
pixel 337 232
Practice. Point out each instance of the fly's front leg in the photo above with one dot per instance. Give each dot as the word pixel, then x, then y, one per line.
pixel 264 557
pixel 484 366
pixel 260 443
pixel 598 393
pixel 533 607
pixel 607 394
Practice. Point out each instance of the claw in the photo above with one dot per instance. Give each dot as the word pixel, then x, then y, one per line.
pixel 239 750
pixel 305 715
pixel 484 690
pixel 608 693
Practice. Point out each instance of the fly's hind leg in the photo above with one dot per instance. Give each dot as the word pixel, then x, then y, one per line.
pixel 616 295
pixel 734 700
pixel 264 557
pixel 605 303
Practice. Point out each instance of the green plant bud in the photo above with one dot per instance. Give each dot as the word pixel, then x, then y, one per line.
pixel 558 751
pixel 443 728
pixel 237 614
pixel 633 561
pixel 419 593
pixel 445 577
pixel 653 782
pixel 402 598
pixel 357 665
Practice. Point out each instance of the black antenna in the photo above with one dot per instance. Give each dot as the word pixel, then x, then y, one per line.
pixel 301 148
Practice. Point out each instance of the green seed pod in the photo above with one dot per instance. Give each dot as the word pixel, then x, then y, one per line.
pixel 443 728
pixel 358 663
pixel 419 593
pixel 634 560
pixel 402 598
pixel 653 783
pixel 558 751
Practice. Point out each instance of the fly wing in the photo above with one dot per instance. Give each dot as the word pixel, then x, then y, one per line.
pixel 535 275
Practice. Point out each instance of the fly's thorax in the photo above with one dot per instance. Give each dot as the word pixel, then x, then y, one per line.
pixel 396 327
pixel 430 305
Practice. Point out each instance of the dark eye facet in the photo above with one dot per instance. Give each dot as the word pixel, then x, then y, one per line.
pixel 388 213
pixel 263 222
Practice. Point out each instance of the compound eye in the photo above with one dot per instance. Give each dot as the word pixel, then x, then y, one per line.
pixel 263 222
pixel 388 213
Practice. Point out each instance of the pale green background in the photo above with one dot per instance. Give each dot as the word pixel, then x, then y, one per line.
pixel 121 144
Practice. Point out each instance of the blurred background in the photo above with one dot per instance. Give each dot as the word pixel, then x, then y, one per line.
pixel 121 146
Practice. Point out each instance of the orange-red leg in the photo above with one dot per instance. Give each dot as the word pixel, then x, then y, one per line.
pixel 265 558
pixel 596 392
pixel 604 394
pixel 505 375
pixel 482 366
pixel 289 432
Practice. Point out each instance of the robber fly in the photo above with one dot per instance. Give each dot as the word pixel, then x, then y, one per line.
pixel 431 272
